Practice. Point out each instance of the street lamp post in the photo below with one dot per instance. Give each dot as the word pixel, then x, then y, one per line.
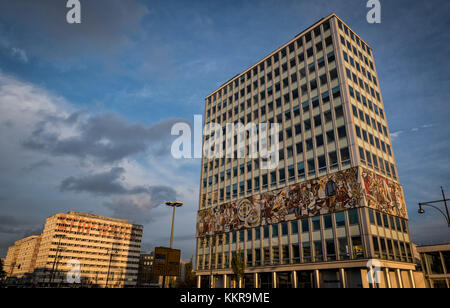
pixel 55 261
pixel 430 204
pixel 110 252
pixel 174 205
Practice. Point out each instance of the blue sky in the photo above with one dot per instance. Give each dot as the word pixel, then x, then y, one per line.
pixel 86 110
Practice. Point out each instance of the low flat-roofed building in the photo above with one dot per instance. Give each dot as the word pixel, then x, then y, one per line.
pixel 436 265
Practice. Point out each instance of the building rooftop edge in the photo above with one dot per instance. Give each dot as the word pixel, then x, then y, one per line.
pixel 282 46
pixel 94 216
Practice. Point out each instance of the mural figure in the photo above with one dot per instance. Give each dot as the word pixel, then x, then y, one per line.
pixel 331 193
pixel 327 194
pixel 383 194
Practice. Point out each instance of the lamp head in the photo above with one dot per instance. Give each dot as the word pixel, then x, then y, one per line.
pixel 175 204
pixel 421 210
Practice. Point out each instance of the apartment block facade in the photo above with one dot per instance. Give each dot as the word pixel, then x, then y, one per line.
pixel 107 250
pixel 21 258
pixel 334 201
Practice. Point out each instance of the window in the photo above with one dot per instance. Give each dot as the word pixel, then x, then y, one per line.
pixel 284 228
pixel 301 169
pixel 340 219
pixel 257 234
pixel 294 227
pixel 353 217
pixel 274 231
pixel 266 231
pixel 316 223
pixel 318 252
pixel 345 155
pixel 328 223
pixel 305 226
pixel 371 217
pixel 342 132
pixel 333 159
pixel 330 136
pixel 319 140
pixel 309 144
pixel 311 165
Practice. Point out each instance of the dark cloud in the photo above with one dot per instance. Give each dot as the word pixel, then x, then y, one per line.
pixel 131 203
pixel 106 137
pixel 38 165
pixel 14 226
pixel 106 183
pixel 104 25
pixel 138 210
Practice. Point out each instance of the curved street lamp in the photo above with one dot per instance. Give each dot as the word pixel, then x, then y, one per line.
pixel 430 204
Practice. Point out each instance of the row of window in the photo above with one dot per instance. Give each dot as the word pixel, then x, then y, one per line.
pixel 284 175
pixel 349 33
pixel 379 164
pixel 359 67
pixel 275 58
pixel 308 252
pixel 388 221
pixel 293 78
pixel 390 249
pixel 281 117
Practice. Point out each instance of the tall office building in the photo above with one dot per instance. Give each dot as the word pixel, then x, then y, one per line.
pixel 107 250
pixel 334 201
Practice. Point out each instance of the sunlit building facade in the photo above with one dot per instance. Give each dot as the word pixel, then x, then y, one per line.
pixel 334 202
pixel 21 258
pixel 106 249
pixel 435 262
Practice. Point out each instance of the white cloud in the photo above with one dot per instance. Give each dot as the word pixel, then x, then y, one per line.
pixel 20 54
pixel 26 110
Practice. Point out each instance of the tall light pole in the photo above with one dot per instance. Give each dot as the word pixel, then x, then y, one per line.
pixel 174 205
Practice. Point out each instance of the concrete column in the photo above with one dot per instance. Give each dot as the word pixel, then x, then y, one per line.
pixel 199 279
pixel 316 275
pixel 411 276
pixel 256 281
pixel 274 280
pixel 294 277
pixel 344 282
pixel 225 281
pixel 211 281
pixel 388 278
pixel 399 278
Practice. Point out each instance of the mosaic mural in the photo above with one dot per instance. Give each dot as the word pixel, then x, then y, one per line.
pixel 330 193
pixel 383 194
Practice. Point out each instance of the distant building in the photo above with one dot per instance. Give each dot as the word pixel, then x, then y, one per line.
pixel 107 250
pixel 435 261
pixel 145 272
pixel 146 277
pixel 21 258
